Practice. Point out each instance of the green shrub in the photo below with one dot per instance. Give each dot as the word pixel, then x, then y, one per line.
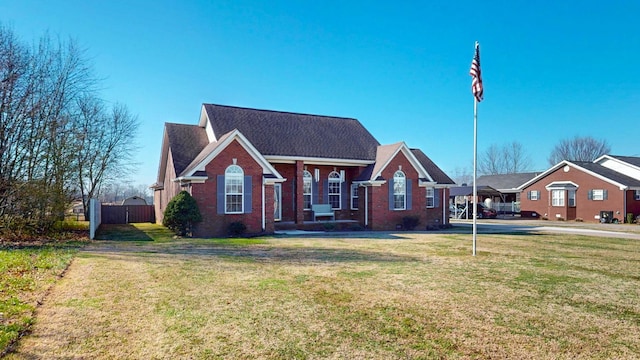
pixel 181 213
pixel 629 218
pixel 236 228
pixel 410 222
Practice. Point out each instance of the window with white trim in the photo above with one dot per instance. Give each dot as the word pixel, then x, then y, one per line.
pixel 571 198
pixel 534 195
pixel 234 190
pixel 637 195
pixel 306 189
pixel 597 194
pixel 431 197
pixel 399 191
pixel 354 196
pixel 557 197
pixel 334 190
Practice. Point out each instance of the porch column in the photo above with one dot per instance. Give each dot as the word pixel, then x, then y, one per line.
pixel 298 198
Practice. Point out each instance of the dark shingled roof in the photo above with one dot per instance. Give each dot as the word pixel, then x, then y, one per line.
pixel 185 142
pixel 436 173
pixel 292 134
pixel 608 173
pixel 505 181
pixel 633 160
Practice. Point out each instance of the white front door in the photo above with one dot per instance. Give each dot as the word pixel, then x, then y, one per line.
pixel 277 200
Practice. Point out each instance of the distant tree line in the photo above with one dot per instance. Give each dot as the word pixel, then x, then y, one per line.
pixel 58 139
pixel 513 158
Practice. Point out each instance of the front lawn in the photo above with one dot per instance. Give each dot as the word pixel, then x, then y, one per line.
pixel 392 296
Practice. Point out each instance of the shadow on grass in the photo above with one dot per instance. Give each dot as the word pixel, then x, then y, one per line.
pixel 121 232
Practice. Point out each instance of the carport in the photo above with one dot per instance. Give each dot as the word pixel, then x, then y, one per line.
pixel 483 192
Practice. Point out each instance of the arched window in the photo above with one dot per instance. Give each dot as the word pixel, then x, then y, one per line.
pixel 334 190
pixel 234 190
pixel 399 191
pixel 306 189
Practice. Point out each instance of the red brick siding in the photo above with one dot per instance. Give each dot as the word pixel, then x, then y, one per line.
pixel 384 219
pixel 214 224
pixel 585 209
pixel 633 206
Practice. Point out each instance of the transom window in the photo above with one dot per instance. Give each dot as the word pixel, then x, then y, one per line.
pixel 306 189
pixel 334 190
pixel 233 190
pixel 431 197
pixel 557 197
pixel 399 191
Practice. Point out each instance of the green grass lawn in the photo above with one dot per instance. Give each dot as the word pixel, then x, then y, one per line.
pixel 27 273
pixel 391 296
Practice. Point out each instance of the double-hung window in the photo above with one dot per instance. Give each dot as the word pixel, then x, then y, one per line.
pixel 637 195
pixel 597 194
pixel 399 191
pixel 306 189
pixel 354 196
pixel 334 192
pixel 234 190
pixel 431 199
pixel 557 197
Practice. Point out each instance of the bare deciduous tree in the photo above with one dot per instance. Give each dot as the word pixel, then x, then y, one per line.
pixel 580 148
pixel 511 158
pixel 105 145
pixel 46 95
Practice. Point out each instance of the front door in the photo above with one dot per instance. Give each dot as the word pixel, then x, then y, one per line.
pixel 277 200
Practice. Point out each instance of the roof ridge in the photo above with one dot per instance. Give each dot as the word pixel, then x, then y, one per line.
pixel 281 112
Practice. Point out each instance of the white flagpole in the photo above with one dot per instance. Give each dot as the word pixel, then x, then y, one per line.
pixel 475 171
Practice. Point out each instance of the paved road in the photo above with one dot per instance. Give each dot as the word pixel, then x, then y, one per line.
pixel 523 226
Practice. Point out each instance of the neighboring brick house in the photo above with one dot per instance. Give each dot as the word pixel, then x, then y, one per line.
pixel 574 190
pixel 266 168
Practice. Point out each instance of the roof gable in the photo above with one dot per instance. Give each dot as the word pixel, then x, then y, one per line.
pixel 276 133
pixel 596 170
pixel 628 165
pixel 197 166
pixel 384 155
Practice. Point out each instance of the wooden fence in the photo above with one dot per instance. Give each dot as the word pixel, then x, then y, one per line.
pixel 125 214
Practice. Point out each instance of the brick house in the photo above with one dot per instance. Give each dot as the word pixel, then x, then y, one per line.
pixel 574 190
pixel 267 169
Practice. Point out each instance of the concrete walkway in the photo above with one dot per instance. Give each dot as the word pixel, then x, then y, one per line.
pixel 626 231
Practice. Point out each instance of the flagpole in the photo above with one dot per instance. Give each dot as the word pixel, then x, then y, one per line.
pixel 475 172
pixel 477 89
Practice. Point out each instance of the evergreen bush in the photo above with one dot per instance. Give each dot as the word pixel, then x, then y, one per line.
pixel 181 213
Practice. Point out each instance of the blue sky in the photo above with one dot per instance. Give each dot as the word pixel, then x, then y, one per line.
pixel 551 69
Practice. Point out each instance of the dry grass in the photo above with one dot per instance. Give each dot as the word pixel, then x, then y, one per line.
pixel 395 296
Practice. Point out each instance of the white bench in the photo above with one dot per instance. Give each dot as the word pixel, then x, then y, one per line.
pixel 322 210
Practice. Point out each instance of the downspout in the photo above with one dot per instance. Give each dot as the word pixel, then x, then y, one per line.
pixel 264 223
pixel 624 203
pixel 366 206
pixel 444 216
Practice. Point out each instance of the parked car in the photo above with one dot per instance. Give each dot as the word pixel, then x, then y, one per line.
pixel 483 212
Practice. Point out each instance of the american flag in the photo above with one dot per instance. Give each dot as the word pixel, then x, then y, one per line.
pixel 476 83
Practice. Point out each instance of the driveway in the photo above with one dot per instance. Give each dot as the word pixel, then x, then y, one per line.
pixel 627 231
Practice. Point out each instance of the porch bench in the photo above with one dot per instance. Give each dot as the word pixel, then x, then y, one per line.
pixel 322 210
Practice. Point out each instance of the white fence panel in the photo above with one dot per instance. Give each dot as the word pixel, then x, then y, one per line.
pixel 95 216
